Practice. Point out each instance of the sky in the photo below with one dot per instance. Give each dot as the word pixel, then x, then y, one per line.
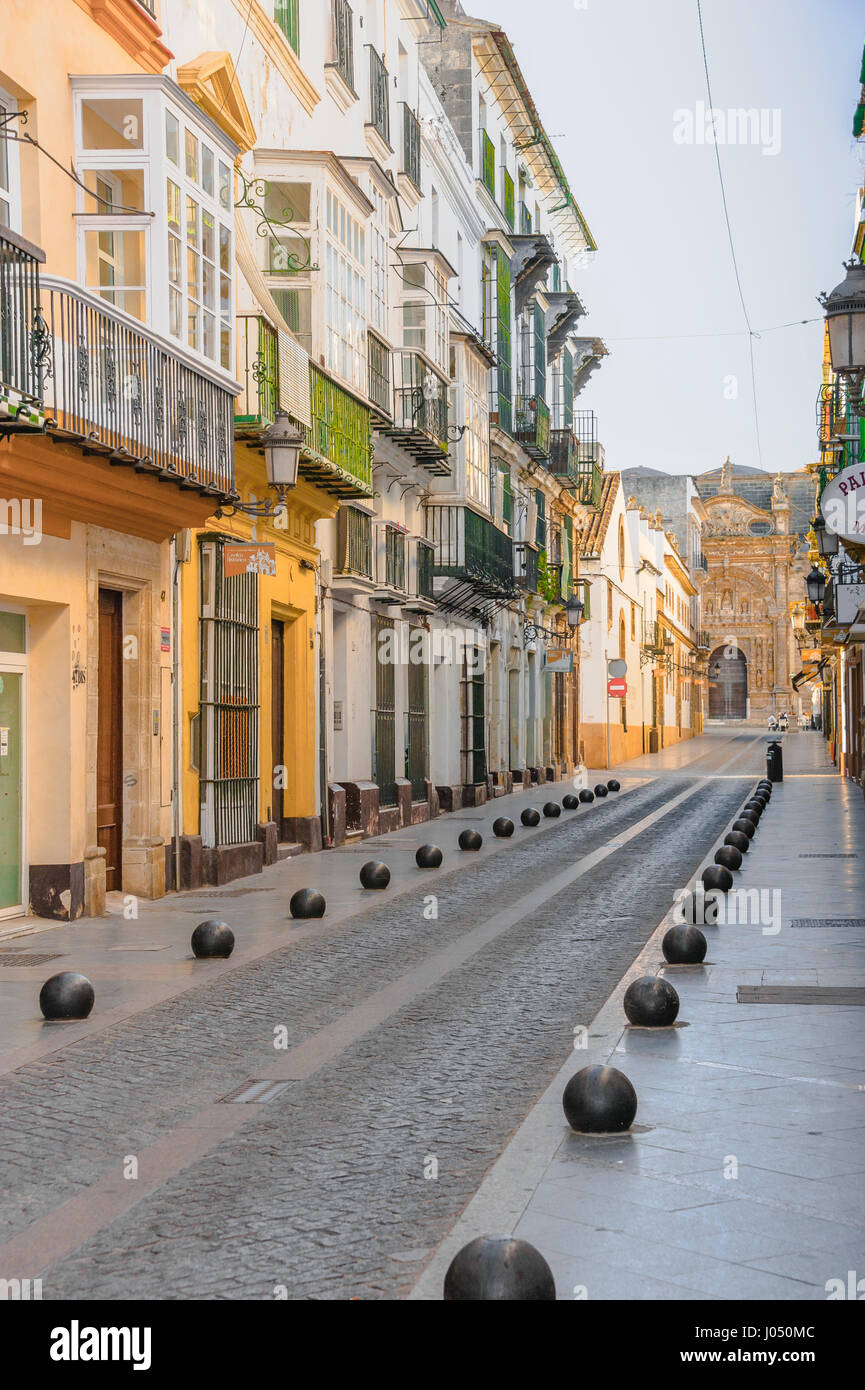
pixel 611 79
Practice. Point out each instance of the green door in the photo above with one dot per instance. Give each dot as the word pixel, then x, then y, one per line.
pixel 11 762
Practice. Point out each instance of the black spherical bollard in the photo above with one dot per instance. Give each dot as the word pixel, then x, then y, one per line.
pixel 754 806
pixel 651 1002
pixel 552 809
pixel 586 796
pixel 530 816
pixel 750 816
pixel 375 874
pixel 702 909
pixel 684 945
pixel 766 785
pixel 745 827
pixel 718 878
pixel 729 857
pixel 599 1100
pixel 613 785
pixel 571 802
pixel 307 902
pixel 67 995
pixel 428 857
pixel 470 839
pixel 600 790
pixel 499 1269
pixel 503 827
pixel 212 938
pixel 738 841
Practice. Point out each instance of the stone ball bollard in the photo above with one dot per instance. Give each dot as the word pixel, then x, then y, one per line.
pixel 307 902
pixel 503 827
pixel 599 1100
pixel 213 938
pixel 428 857
pixel 470 839
pixel 745 827
pixel 729 857
pixel 738 840
pixel 651 1002
pixel 374 874
pixel 684 945
pixel 753 806
pixel 571 802
pixel 718 878
pixel 586 796
pixel 613 785
pixel 530 816
pixel 500 1269
pixel 702 909
pixel 67 995
pixel 552 809
pixel 600 790
pixel 751 816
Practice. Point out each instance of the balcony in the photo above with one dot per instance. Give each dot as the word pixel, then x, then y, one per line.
pixel 526 566
pixel 564 460
pixel 420 415
pixel 353 565
pixel 343 42
pixel 422 597
pixel 411 145
pixel 21 328
pixel 653 637
pixel 468 547
pixel 379 102
pixel 390 584
pixel 532 426
pixel 110 385
pixel 549 581
pixel 275 374
pixel 703 641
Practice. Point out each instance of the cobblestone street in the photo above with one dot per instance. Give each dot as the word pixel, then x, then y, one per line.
pixel 414 1047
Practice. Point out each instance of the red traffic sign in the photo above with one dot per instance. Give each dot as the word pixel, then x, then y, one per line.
pixel 617 687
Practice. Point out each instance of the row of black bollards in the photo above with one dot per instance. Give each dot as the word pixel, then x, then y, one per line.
pixel 601 1100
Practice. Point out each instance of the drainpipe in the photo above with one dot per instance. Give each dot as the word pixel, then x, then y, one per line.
pixel 177 688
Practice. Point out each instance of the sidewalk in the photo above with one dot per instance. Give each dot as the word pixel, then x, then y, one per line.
pixel 742 1177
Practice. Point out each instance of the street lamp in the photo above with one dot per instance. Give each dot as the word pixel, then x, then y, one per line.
pixel 827 541
pixel 282 442
pixel 845 319
pixel 574 610
pixel 815 583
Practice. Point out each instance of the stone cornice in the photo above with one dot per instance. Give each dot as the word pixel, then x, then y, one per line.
pixel 277 47
pixel 137 32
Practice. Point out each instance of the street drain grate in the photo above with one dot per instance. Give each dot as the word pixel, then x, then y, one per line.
pixel 19 958
pixel 830 923
pixel 255 1093
pixel 800 994
pixel 829 856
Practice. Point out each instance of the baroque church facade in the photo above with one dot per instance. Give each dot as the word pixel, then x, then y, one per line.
pixel 754 542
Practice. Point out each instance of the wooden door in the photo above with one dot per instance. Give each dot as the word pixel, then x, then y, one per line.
pixel 109 753
pixel 277 701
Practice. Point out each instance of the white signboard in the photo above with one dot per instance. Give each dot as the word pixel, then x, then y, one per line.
pixel 842 503
pixel 848 597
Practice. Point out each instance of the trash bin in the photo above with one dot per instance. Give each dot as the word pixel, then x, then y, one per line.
pixel 774 762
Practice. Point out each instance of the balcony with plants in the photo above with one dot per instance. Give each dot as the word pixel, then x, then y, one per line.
pixel 468 548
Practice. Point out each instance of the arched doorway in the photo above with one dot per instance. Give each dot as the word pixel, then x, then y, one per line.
pixel 728 684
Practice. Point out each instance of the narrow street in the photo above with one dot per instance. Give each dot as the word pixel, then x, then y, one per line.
pixel 412 1048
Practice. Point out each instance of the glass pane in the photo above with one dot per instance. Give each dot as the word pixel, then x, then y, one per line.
pixel 192 329
pixel 225 346
pixel 224 294
pixel 115 258
pixel 5 213
pixel 207 170
pixel 114 188
pixel 208 346
pixel 224 186
pixel 173 203
pixel 115 124
pixel 192 272
pixel 191 157
pixel 172 138
pixel 175 313
pixel 224 248
pixel 288 202
pixel 191 221
pixel 208 284
pixel 174 260
pixel 208 235
pixel 12 632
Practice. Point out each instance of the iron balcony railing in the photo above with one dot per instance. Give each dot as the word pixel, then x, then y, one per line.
pixel 21 323
pixel 421 408
pixel 425 571
pixel 378 376
pixel 469 546
pixel 113 384
pixel 532 426
pixel 590 483
pixel 391 569
pixel 411 145
pixel 564 450
pixel 343 41
pixel 526 566
pixel 340 431
pixel 353 543
pixel 701 563
pixel 703 640
pixel 257 370
pixel 379 96
pixel 653 635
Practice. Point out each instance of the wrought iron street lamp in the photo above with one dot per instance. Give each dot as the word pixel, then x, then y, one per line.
pixel 282 442
pixel 815 583
pixel 827 541
pixel 845 319
pixel 574 610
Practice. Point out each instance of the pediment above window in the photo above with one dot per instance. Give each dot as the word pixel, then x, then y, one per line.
pixel 209 80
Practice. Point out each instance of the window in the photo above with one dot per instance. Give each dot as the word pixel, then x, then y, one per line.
pixel 621 548
pixel 609 605
pixel 286 15
pixel 345 282
pixel 10 190
pixel 476 437
pixel 112 142
pixel 379 97
pixel 378 267
pixel 343 41
pixel 633 623
pixel 198 205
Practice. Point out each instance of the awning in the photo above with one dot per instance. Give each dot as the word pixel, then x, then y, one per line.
pixel 810 672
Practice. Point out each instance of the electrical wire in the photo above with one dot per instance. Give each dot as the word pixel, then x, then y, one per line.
pixel 751 334
pixel 739 333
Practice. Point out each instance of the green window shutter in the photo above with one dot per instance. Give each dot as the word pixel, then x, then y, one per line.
pixel 541 527
pixel 508 198
pixel 540 353
pixel 503 338
pixel 567 543
pixel 567 389
pixel 286 15
pixel 488 163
